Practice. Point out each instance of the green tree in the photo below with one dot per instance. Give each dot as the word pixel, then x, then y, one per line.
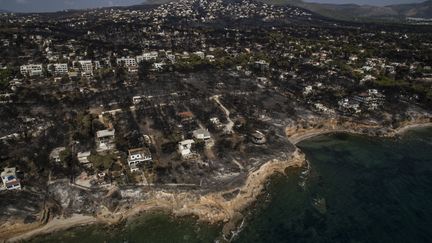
pixel 5 76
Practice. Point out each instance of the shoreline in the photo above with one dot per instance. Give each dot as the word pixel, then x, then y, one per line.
pixel 212 207
pixel 56 224
pixel 406 128
pixel 311 133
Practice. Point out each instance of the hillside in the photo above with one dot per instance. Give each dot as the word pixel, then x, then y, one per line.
pixel 363 12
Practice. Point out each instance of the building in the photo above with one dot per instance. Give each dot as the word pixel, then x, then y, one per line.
pixel 83 158
pixel 185 116
pixel 127 61
pixel 139 156
pixel 55 154
pixel 32 70
pixel 185 147
pixel 147 56
pixel 210 58
pixel 86 67
pixel 137 99
pixel 200 54
pixel 203 135
pixel 58 68
pixel 349 106
pixel 105 140
pixel 158 65
pixel 10 179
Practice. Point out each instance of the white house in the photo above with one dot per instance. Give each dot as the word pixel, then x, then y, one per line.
pixel 127 61
pixel 137 99
pixel 158 65
pixel 185 147
pixel 86 67
pixel 203 135
pixel 32 70
pixel 9 179
pixel 83 158
pixel 58 68
pixel 200 54
pixel 147 56
pixel 105 140
pixel 138 156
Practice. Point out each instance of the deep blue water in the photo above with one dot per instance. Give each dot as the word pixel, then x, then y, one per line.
pixel 359 189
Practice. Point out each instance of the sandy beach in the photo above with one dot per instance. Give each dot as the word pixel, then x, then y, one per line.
pixel 403 129
pixel 304 134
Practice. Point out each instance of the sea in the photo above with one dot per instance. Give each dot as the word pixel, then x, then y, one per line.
pixel 354 189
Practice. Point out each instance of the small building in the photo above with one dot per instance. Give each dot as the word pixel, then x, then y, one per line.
pixel 10 179
pixel 258 137
pixel 185 147
pixel 83 158
pixel 137 99
pixel 58 68
pixel 159 66
pixel 55 154
pixel 216 123
pixel 139 156
pixel 127 61
pixel 105 140
pixel 86 67
pixel 147 56
pixel 203 135
pixel 200 54
pixel 32 70
pixel 185 116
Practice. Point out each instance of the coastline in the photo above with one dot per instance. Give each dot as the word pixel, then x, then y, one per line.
pixel 406 128
pixel 211 207
pixel 310 133
pixel 56 224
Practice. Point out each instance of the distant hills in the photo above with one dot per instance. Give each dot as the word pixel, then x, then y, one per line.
pixel 354 11
pixel 349 12
pixel 364 12
pixel 420 10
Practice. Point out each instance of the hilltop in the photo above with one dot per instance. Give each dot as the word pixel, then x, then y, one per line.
pixel 356 12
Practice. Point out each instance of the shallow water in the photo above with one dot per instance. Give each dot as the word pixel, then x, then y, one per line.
pixel 359 189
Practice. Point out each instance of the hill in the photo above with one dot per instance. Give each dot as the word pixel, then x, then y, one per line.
pixel 364 12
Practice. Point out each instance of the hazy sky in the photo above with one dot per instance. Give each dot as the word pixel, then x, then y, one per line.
pixel 56 5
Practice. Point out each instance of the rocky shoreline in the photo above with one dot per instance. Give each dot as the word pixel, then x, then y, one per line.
pixel 212 207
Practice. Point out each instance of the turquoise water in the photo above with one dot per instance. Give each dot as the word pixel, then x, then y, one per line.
pixel 359 189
